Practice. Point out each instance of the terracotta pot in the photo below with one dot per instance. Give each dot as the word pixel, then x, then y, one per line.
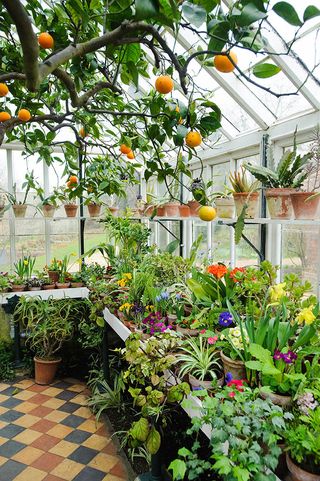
pixel 187 310
pixel 236 368
pixel 45 371
pixel 194 206
pixel 76 284
pixel 186 331
pixel 149 210
pixel 184 210
pixel 130 325
pixel 161 211
pixel 299 474
pixel 48 210
pixel 35 288
pixel 171 209
pixel 278 399
pixel 242 198
pixel 196 383
pixel 113 210
pixel 63 285
pixel 53 276
pixel 94 210
pixel 279 203
pixel 47 287
pixel 71 209
pixel 172 319
pixel 18 287
pixel 19 210
pixel 304 208
pixel 225 207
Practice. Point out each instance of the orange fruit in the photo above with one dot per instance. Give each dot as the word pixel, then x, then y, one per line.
pixel 223 63
pixel 4 116
pixel 207 213
pixel 45 40
pixel 130 155
pixel 193 139
pixel 24 115
pixel 164 84
pixel 124 149
pixel 3 90
pixel 73 179
pixel 82 132
pixel 69 184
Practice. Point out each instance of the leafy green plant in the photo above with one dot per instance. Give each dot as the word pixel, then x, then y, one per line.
pixel 7 372
pixel 24 267
pixel 198 358
pixel 4 283
pixel 106 397
pixel 165 268
pixel 240 183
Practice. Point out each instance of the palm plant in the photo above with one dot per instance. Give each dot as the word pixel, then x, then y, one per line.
pixel 199 359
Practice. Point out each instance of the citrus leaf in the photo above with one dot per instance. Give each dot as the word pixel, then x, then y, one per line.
pixel 249 15
pixel 288 13
pixel 265 70
pixel 146 9
pixel 310 12
pixel 195 14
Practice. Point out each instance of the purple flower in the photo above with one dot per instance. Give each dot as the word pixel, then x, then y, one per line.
pixel 225 319
pixel 165 295
pixel 228 377
pixel 292 355
pixel 158 298
pixel 277 355
pixel 178 296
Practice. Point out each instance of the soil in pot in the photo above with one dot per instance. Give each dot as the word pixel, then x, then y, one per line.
pixel 94 210
pixel 186 331
pixel 242 198
pixel 45 370
pixel 304 208
pixel 278 399
pixel 71 210
pixel 184 210
pixel 19 210
pixel 171 209
pixel 279 203
pixel 236 368
pixel 225 208
pixel 298 473
pixel 194 206
pixel 196 383
pixel 48 210
pixel 53 276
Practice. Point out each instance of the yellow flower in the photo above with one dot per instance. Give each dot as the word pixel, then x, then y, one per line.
pixel 125 307
pixel 127 275
pixel 306 316
pixel 122 282
pixel 25 262
pixel 149 308
pixel 277 291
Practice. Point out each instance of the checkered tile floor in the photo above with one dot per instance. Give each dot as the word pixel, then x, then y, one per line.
pixel 48 434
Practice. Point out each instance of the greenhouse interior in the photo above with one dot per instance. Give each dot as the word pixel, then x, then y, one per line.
pixel 160 240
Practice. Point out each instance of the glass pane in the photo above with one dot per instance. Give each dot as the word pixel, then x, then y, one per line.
pixel 221 243
pixel 245 254
pixel 33 245
pixel 4 251
pixel 65 244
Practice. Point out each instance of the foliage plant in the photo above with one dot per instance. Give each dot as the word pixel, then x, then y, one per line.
pixel 23 268
pixel 12 196
pixel 7 372
pixel 4 282
pixel 199 358
pixel 243 443
pixel 240 183
pixel 166 269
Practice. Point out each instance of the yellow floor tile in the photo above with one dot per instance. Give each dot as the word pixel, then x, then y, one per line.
pixel 31 474
pixel 52 391
pixel 3 386
pixel 3 440
pixel 27 420
pixel 104 462
pixel 3 398
pixel 3 460
pixel 26 407
pixel 28 455
pixel 56 416
pixel 90 425
pixel 59 431
pixel 96 442
pixel 27 436
pixel 24 384
pixel 64 448
pixel 111 477
pixel 67 470
pixel 80 399
pixel 53 403
pixel 3 424
pixel 77 388
pixel 3 410
pixel 83 412
pixel 25 395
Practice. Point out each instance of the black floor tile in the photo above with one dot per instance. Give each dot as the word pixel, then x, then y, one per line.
pixel 9 449
pixel 89 474
pixel 10 470
pixel 83 455
pixel 11 431
pixel 77 436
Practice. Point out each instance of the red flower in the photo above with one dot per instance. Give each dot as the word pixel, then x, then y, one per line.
pixel 237 383
pixel 212 340
pixel 217 270
pixel 232 394
pixel 234 271
pixel 202 331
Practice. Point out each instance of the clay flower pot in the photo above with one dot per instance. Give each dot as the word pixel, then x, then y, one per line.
pixel 19 210
pixel 225 207
pixel 185 331
pixel 236 368
pixel 172 320
pixel 63 285
pixel 149 210
pixel 113 210
pixel 161 211
pixel 53 276
pixel 48 210
pixel 171 209
pixel 48 287
pixel 76 284
pixel 196 383
pixel 304 208
pixel 45 371
pixel 71 209
pixel 194 206
pixel 278 399
pixel 252 199
pixel 299 474
pixel 184 210
pixel 279 203
pixel 94 210
pixel 18 287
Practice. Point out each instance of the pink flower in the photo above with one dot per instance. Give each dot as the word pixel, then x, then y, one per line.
pixel 232 394
pixel 212 340
pixel 202 331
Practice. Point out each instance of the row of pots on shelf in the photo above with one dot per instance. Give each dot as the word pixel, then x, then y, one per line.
pixel 45 287
pixel 173 209
pixel 48 210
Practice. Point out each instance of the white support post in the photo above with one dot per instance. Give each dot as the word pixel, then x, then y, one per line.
pixel 12 225
pixel 47 226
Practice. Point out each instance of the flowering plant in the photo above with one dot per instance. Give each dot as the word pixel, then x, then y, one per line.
pixel 155 322
pixel 125 279
pixel 23 268
pixel 162 302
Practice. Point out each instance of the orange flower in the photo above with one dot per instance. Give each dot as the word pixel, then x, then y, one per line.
pixel 234 271
pixel 217 270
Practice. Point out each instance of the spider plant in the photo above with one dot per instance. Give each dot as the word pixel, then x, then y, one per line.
pixel 106 397
pixel 199 359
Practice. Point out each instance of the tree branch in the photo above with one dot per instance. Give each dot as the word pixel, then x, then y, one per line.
pixel 12 76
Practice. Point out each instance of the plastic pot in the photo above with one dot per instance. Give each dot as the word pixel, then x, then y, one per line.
pixel 19 210
pixel 279 203
pixel 251 199
pixel 225 207
pixel 304 208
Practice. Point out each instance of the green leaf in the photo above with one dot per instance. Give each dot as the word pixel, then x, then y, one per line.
pixel 140 430
pixel 132 53
pixel 265 70
pixel 219 31
pixel 241 474
pixel 288 13
pixel 195 14
pixel 254 365
pixel 178 468
pixel 153 441
pixel 100 321
pixel 172 246
pixel 310 12
pixel 146 9
pixel 239 227
pixel 249 14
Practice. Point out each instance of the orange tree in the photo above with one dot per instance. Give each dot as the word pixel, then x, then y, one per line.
pixel 77 65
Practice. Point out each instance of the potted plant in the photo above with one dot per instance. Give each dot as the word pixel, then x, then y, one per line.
pixel 48 204
pixel 53 270
pixel 93 204
pixel 198 190
pixel 17 283
pixel 5 285
pixel 19 207
pixel 225 205
pixel 48 324
pixel 47 283
pixel 282 181
pixel 184 210
pixel 245 194
pixel 35 284
pixel 23 269
pixel 186 326
pixel 63 282
pixel 75 279
pixel 200 361
pixel 68 195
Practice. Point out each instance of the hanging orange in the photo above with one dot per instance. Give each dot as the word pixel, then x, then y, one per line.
pixel 125 149
pixel 24 115
pixel 223 63
pixel 3 90
pixel 193 139
pixel 45 40
pixel 4 116
pixel 82 132
pixel 73 179
pixel 130 155
pixel 164 84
